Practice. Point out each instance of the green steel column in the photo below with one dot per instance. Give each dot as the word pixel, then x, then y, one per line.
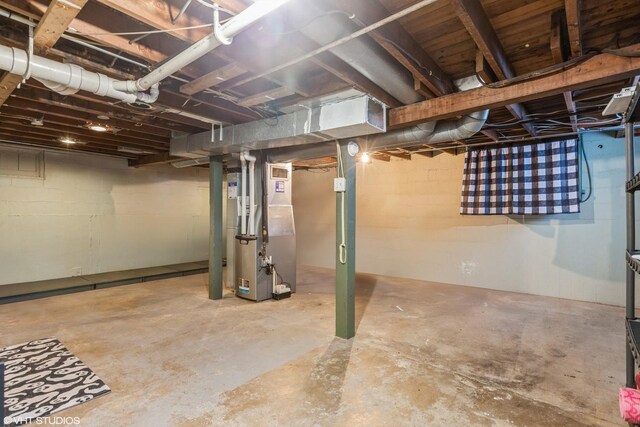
pixel 215 228
pixel 346 273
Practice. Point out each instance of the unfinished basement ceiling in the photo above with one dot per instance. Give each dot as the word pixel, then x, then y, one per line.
pixel 436 45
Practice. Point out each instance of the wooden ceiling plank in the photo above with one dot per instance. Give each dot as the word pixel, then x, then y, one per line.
pixel 55 21
pixel 477 23
pixel 600 69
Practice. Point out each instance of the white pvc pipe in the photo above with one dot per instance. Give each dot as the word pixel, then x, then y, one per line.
pixel 16 61
pixel 252 193
pixel 243 201
pixel 205 45
pixel 68 78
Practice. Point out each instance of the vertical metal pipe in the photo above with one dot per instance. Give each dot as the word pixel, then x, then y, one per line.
pixel 346 272
pixel 2 391
pixel 631 245
pixel 215 227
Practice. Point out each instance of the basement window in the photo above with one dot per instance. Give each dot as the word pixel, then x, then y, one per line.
pixel 22 163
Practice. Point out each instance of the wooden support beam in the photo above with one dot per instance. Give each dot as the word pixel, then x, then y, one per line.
pixel 559 44
pixel 600 69
pixel 399 43
pixel 55 21
pixel 264 97
pixel 478 25
pixel 573 12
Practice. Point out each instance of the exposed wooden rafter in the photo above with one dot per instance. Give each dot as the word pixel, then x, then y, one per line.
pixel 560 50
pixel 477 23
pixel 573 10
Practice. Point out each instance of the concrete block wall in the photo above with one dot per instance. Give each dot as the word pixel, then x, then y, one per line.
pixel 94 214
pixel 408 225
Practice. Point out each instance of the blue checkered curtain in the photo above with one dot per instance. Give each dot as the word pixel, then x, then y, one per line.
pixel 534 179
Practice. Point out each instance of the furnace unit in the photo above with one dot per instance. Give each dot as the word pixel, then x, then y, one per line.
pixel 265 243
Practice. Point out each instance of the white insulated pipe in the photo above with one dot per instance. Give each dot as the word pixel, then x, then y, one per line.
pixel 243 201
pixel 63 76
pixel 252 193
pixel 70 78
pixel 235 25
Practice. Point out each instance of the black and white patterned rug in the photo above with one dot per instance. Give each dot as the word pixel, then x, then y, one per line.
pixel 42 377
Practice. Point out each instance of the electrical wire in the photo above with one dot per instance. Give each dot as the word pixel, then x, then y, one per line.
pixel 342 247
pixel 586 163
pixel 138 33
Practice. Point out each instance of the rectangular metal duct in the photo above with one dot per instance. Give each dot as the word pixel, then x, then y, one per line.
pixel 337 118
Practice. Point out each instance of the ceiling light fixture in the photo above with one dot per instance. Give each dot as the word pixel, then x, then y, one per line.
pixel 67 140
pixel 97 127
pixel 37 122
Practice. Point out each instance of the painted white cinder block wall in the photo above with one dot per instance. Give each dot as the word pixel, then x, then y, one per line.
pixel 95 214
pixel 408 225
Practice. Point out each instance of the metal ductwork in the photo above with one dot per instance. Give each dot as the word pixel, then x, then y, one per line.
pixel 347 115
pixel 424 133
pixel 361 53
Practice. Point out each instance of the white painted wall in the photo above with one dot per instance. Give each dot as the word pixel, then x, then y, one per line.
pixel 94 214
pixel 408 225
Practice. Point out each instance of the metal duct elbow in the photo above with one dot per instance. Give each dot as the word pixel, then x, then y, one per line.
pixel 463 128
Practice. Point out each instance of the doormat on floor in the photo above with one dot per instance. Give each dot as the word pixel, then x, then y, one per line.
pixel 42 377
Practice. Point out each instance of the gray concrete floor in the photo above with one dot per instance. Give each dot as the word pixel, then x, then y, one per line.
pixel 424 354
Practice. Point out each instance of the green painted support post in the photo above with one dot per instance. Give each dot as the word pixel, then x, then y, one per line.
pixel 346 272
pixel 215 228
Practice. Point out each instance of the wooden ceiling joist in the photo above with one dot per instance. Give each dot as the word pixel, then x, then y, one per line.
pixel 559 50
pixel 573 11
pixel 600 69
pixel 263 97
pixel 55 21
pixel 477 23
pixel 212 79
